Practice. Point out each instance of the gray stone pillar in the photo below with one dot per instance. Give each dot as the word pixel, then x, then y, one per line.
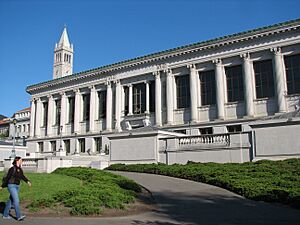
pixel 158 120
pixel 93 96
pixel 219 73
pixel 147 97
pixel 32 118
pixel 279 79
pixel 77 111
pixel 108 107
pixel 63 113
pixel 118 105
pixel 50 115
pixel 193 93
pixel 248 88
pixel 130 99
pixel 38 121
pixel 170 100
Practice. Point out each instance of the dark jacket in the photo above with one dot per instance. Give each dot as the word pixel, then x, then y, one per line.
pixel 14 176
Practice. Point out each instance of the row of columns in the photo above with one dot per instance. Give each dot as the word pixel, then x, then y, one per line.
pixel 36 109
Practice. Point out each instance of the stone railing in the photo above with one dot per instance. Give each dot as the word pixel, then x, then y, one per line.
pixel 215 139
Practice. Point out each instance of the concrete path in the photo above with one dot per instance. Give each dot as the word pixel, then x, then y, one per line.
pixel 186 202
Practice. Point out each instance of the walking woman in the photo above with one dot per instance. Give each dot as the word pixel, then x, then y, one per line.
pixel 12 182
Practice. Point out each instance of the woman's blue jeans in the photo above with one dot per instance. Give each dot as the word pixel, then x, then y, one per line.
pixel 13 199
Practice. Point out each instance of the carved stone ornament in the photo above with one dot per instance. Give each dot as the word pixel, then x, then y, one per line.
pixel 276 50
pixel 217 62
pixel 245 56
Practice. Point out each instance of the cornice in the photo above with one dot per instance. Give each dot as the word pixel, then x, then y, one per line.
pixel 182 50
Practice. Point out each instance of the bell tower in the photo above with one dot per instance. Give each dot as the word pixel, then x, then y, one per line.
pixel 63 57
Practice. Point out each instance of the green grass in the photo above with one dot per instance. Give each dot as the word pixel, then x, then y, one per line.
pixel 84 191
pixel 271 181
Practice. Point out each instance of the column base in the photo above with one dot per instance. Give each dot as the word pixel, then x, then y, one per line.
pixel 61 153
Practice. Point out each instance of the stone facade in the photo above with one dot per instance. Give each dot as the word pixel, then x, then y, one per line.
pixel 22 126
pixel 207 88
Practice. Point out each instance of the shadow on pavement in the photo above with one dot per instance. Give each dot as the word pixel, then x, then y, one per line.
pixel 220 210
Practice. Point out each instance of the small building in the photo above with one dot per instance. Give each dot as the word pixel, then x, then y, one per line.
pixel 22 126
pixel 4 127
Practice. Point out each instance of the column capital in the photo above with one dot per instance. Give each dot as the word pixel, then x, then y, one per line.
pixel 63 94
pixel 191 66
pixel 117 82
pixel 168 71
pixel 108 83
pixel 245 56
pixel 92 87
pixel 32 99
pixel 217 62
pixel 77 91
pixel 128 85
pixel 276 50
pixel 50 96
pixel 156 74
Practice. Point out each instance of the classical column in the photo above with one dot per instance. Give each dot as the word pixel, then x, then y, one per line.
pixel 147 97
pixel 77 111
pixel 39 107
pixel 50 115
pixel 63 112
pixel 219 88
pixel 158 120
pixel 279 79
pixel 130 99
pixel 248 88
pixel 93 96
pixel 170 100
pixel 118 106
pixel 193 93
pixel 32 118
pixel 108 106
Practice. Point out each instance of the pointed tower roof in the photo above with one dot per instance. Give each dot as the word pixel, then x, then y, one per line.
pixel 64 39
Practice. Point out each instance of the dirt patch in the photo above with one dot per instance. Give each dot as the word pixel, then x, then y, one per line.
pixel 143 203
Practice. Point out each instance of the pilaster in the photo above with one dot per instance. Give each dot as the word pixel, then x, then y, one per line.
pixel 63 114
pixel 39 107
pixel 130 99
pixel 147 97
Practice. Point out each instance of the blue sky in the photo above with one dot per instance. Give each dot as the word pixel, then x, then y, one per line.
pixel 109 31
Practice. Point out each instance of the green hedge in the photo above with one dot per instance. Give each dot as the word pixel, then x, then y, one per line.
pixel 271 181
pixel 98 190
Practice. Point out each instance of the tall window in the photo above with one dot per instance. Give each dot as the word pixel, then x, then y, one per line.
pixel 53 146
pixel 152 96
pixel 102 104
pixel 82 145
pixel 98 144
pixel 292 67
pixel 86 107
pixel 208 87
pixel 41 146
pixel 71 109
pixel 45 119
pixel 264 80
pixel 67 146
pixel 139 98
pixel 234 77
pixel 58 111
pixel 126 100
pixel 183 91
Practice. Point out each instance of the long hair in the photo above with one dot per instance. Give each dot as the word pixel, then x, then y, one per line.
pixel 17 158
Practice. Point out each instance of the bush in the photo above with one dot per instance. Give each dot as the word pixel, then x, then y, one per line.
pixel 272 181
pixel 98 190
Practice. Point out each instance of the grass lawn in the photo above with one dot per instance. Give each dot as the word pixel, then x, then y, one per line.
pixel 83 191
pixel 272 181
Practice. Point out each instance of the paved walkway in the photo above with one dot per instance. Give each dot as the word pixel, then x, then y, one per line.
pixel 186 202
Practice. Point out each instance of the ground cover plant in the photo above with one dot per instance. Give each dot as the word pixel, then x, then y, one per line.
pixel 271 181
pixel 83 191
